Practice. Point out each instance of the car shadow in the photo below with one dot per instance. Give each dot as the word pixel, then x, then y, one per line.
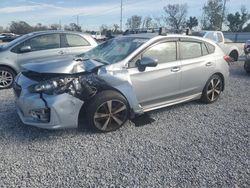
pixel 12 127
pixel 237 70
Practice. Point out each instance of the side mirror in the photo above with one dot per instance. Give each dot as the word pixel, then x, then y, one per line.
pixel 146 62
pixel 25 49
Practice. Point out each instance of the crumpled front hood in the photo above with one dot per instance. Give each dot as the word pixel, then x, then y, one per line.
pixel 62 65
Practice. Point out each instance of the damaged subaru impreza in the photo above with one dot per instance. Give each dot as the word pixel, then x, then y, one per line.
pixel 119 80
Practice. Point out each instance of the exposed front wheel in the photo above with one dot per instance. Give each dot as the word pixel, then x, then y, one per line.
pixel 6 77
pixel 212 90
pixel 107 111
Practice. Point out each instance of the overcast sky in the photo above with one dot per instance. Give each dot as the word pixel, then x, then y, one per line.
pixel 93 13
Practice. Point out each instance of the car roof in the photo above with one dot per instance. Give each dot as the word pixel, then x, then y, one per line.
pixel 55 31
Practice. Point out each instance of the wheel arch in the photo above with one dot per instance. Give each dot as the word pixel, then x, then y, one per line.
pixel 9 67
pixel 83 109
pixel 234 54
pixel 223 79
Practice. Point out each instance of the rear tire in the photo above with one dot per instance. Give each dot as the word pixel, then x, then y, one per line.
pixel 234 54
pixel 212 89
pixel 107 111
pixel 7 77
pixel 246 67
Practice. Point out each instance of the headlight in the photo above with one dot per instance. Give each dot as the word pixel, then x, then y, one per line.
pixel 50 87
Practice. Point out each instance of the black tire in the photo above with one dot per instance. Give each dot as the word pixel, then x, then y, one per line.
pixel 107 111
pixel 246 67
pixel 212 89
pixel 7 77
pixel 234 55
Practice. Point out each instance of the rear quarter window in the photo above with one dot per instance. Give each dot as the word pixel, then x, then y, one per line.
pixel 75 41
pixel 210 47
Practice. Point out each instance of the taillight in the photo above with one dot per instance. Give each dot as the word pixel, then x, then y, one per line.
pixel 228 59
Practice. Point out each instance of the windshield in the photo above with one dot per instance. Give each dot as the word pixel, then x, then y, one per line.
pixel 114 50
pixel 9 44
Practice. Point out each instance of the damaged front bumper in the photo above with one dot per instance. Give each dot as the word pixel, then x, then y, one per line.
pixel 46 111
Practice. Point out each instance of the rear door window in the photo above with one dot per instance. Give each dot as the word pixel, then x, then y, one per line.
pixel 163 52
pixel 75 41
pixel 190 50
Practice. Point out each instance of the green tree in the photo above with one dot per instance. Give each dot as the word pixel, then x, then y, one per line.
pixel 134 22
pixel 238 20
pixel 147 22
pixel 55 27
pixel 40 27
pixel 175 15
pixel 104 28
pixel 247 28
pixel 73 27
pixel 116 29
pixel 20 27
pixel 192 22
pixel 212 15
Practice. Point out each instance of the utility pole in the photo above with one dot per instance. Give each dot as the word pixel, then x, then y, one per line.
pixel 60 25
pixel 223 13
pixel 77 20
pixel 121 15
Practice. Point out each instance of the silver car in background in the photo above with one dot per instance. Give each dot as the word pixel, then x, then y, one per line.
pixel 38 45
pixel 120 79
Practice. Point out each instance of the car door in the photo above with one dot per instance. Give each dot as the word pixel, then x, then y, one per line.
pixel 156 85
pixel 197 66
pixel 75 44
pixel 42 46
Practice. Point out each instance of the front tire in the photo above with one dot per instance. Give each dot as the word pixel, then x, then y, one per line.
pixel 7 77
pixel 212 89
pixel 107 111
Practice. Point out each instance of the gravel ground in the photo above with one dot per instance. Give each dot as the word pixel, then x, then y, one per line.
pixel 188 145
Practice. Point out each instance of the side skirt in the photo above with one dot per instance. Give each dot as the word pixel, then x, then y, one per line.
pixel 172 102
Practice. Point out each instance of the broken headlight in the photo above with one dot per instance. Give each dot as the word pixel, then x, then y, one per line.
pixel 53 86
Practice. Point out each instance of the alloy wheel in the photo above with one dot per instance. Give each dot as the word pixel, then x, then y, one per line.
pixel 6 79
pixel 110 115
pixel 214 89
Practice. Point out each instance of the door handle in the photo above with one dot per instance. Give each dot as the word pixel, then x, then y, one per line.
pixel 208 64
pixel 61 52
pixel 175 69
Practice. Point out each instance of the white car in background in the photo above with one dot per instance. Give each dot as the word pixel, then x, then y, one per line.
pixel 37 46
pixel 218 37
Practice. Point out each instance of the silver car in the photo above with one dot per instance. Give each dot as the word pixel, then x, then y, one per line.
pixel 120 79
pixel 37 45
